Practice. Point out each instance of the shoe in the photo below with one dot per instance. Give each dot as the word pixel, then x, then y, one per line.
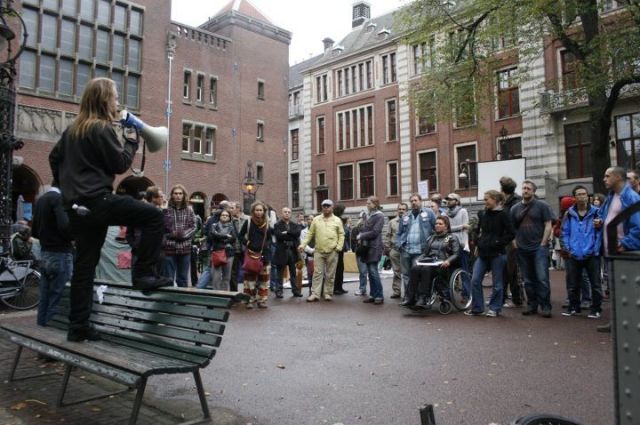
pixel 508 304
pixel 369 300
pixel 339 292
pixel 279 294
pixel 570 312
pixel 492 313
pixel 378 301
pixel 407 303
pixel 604 328
pixel 530 312
pixel 297 294
pixel 249 306
pixel 546 313
pixel 146 283
pixel 473 313
pixel 359 293
pixel 328 297
pixel 422 302
pixel 262 304
pixel 394 296
pixel 312 298
pixel 79 335
pixel 594 315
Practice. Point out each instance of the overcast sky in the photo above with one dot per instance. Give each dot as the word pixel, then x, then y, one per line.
pixel 308 20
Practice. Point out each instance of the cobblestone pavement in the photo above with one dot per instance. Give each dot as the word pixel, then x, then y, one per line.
pixel 345 362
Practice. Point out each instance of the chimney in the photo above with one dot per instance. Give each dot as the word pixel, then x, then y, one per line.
pixel 328 43
pixel 361 13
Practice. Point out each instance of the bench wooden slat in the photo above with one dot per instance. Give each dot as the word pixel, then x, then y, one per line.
pixel 189 353
pixel 171 297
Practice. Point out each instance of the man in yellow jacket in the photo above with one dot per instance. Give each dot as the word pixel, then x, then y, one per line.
pixel 327 232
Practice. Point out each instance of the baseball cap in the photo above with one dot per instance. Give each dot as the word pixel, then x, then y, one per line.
pixel 327 202
pixel 453 196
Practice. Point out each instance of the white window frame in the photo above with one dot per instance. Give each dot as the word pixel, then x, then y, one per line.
pixel 353 179
pixel 455 159
pixel 324 177
pixel 261 83
pixel 260 166
pixel 213 140
pixel 386 122
pixel 260 131
pixel 417 122
pixel 318 118
pixel 186 85
pixel 213 103
pixel 355 142
pixel 496 93
pixel 389 163
pixel 417 177
pixel 358 163
pixel 200 87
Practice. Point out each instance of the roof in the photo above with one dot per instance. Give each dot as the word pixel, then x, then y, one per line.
pixel 246 8
pixel 296 78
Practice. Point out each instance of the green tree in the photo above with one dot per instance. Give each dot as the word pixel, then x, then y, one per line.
pixel 462 43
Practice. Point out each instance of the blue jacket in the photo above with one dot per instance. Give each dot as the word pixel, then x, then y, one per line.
pixel 580 238
pixel 631 240
pixel 427 220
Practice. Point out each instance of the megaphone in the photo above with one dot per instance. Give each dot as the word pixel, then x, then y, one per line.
pixel 154 137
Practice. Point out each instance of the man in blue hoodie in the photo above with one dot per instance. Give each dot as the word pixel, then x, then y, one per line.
pixel 581 240
pixel 621 196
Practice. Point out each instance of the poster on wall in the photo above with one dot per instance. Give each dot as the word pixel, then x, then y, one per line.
pixel 423 189
pixel 490 173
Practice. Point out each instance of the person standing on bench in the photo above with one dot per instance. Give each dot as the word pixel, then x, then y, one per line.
pixel 84 163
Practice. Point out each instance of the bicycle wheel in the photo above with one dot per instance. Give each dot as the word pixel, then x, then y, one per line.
pixel 28 295
pixel 456 287
pixel 544 419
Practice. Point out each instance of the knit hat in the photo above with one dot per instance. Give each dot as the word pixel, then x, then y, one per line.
pixel 566 202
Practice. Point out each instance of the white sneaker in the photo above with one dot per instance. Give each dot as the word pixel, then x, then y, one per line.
pixel 312 298
pixel 595 315
pixel 508 304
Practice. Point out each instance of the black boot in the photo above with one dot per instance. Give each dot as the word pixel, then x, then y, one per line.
pixel 422 301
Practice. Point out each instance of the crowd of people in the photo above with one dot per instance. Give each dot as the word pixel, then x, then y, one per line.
pixel 426 238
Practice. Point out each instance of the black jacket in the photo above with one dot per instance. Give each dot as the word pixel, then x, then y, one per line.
pixel 85 168
pixel 496 232
pixel 51 223
pixel 254 237
pixel 287 241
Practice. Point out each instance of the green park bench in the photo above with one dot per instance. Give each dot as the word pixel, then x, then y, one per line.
pixel 166 331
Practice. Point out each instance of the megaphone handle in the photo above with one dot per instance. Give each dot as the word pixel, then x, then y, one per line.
pixel 144 153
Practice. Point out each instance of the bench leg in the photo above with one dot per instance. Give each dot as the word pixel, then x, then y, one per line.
pixel 65 382
pixel 15 363
pixel 138 402
pixel 203 400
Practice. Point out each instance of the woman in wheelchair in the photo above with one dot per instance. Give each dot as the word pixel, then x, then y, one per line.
pixel 442 249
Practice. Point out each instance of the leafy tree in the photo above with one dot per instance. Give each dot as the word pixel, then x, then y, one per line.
pixel 462 43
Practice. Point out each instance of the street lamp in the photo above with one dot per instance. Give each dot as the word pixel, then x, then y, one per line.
pixel 465 173
pixel 8 141
pixel 500 155
pixel 249 187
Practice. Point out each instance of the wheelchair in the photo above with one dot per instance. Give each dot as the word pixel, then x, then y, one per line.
pixel 448 290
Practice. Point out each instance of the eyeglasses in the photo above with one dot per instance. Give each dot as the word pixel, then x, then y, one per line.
pixel 326 206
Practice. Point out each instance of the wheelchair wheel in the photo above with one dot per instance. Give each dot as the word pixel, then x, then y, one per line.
pixel 544 419
pixel 456 289
pixel 445 307
pixel 28 295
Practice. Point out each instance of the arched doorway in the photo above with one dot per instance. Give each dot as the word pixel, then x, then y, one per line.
pixel 198 200
pixel 133 185
pixel 26 183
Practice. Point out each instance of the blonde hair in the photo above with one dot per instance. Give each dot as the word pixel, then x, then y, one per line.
pixel 97 106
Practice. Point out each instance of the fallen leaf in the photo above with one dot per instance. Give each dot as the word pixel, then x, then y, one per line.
pixel 96 409
pixel 19 406
pixel 207 393
pixel 280 366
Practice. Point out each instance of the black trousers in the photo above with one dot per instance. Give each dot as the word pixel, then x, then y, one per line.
pixel 339 279
pixel 238 258
pixel 291 264
pixel 89 232
pixel 420 280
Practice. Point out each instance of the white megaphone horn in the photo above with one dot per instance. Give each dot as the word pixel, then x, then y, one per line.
pixel 154 137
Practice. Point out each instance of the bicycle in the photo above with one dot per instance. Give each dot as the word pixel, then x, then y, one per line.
pixel 19 284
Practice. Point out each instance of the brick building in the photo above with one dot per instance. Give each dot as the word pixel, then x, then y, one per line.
pixel 226 108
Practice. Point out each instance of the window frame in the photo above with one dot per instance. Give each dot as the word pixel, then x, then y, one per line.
pixel 342 196
pixel 419 168
pixel 388 121
pixel 390 186
pixel 360 164
pixel 260 131
pixel 472 163
pixel 513 107
pixel 321 147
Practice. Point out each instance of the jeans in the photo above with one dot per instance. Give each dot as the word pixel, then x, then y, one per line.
pixel 464 264
pixel 205 278
pixel 362 271
pixel 56 269
pixel 177 266
pixel 222 275
pixel 236 271
pixel 374 281
pixel 575 279
pixel 511 276
pixel 534 266
pixel 89 232
pixel 480 267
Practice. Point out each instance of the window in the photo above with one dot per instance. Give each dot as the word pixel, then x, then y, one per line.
pixel 464 153
pixel 392 121
pixel 47 73
pixel 86 9
pixel 213 91
pixel 210 142
pixel 366 178
pixel 577 142
pixel 48 39
pixel 321 88
pixel 260 132
pixel 200 88
pixel 135 22
pixel 428 169
pixel 345 173
pixel 369 76
pixel 134 55
pixel 628 140
pixel 320 135
pixel 426 125
pixel 186 85
pixel 260 90
pixel 65 78
pixel 354 128
pixel 423 56
pixel 28 70
pixel 259 173
pixel 508 94
pixel 322 178
pixel 186 137
pixel 120 17
pixel 295 190
pixel 392 178
pixel 68 7
pixel 294 145
pixel 85 42
pixel 569 70
pixel 389 68
pixel 118 51
pixel 510 148
pixel 133 90
pixel 82 78
pixel 349 79
pixel 102 47
pixel 196 143
pixel 346 81
pixel 104 12
pixel 30 18
pixel 339 82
